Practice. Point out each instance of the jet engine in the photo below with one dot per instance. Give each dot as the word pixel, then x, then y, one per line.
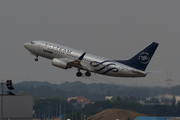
pixel 60 63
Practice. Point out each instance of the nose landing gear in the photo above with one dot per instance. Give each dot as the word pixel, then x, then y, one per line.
pixel 36 59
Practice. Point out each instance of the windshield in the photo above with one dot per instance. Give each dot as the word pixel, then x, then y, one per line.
pixel 32 42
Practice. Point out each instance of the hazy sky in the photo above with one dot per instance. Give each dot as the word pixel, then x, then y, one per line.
pixel 114 29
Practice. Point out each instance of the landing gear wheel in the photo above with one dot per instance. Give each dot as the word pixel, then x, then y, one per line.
pixel 78 74
pixel 36 59
pixel 88 74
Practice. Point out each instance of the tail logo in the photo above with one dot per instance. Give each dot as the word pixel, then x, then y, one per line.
pixel 144 57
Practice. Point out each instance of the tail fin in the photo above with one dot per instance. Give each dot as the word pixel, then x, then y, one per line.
pixel 142 59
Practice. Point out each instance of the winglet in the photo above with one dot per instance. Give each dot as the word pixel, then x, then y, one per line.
pixel 77 63
pixel 82 56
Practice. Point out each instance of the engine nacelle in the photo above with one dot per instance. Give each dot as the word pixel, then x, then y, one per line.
pixel 60 63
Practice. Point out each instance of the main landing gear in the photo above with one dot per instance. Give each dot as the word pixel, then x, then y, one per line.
pixel 79 74
pixel 88 74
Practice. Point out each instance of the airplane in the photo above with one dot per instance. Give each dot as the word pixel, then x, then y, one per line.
pixel 66 57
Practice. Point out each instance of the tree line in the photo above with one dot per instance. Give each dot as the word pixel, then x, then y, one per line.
pixel 92 91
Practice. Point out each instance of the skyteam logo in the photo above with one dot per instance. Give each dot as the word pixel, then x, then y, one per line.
pixel 144 57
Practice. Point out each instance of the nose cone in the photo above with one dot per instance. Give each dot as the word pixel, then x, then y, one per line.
pixel 26 45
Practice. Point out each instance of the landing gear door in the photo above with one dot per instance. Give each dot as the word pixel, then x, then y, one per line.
pixel 40 46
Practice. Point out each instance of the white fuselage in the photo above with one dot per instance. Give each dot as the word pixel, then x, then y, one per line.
pixel 92 62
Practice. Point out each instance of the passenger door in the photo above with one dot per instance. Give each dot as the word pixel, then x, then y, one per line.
pixel 40 46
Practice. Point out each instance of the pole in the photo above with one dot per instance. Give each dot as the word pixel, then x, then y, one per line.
pixel 64 110
pixel 81 111
pixel 57 111
pixel 72 112
pixel 49 112
pixel 2 101
pixel 44 113
pixel 60 107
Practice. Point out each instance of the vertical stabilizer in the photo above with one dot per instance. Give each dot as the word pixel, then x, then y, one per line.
pixel 141 60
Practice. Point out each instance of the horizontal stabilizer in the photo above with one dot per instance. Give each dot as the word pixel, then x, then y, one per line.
pixel 151 72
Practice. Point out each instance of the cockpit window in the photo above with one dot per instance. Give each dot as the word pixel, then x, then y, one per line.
pixel 32 42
